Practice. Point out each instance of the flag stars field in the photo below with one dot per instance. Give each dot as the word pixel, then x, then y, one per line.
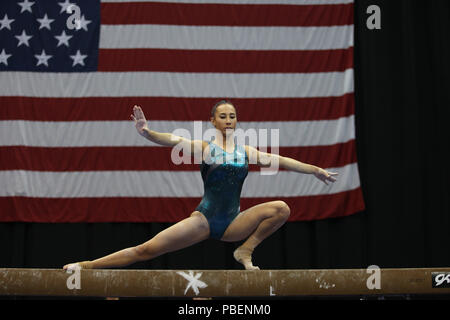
pixel 40 36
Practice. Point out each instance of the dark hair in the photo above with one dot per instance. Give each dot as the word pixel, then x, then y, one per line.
pixel 218 104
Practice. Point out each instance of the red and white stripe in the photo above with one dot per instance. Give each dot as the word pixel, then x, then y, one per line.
pixel 69 153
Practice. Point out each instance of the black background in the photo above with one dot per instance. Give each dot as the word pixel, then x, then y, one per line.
pixel 402 95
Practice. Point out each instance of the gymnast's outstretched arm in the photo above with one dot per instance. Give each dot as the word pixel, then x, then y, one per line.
pixel 163 138
pixel 265 159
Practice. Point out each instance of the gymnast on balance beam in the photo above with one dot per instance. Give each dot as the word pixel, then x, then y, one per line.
pixel 218 214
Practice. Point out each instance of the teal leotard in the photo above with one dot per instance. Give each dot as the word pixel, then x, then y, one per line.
pixel 223 174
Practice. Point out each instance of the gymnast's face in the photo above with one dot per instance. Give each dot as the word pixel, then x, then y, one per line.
pixel 225 119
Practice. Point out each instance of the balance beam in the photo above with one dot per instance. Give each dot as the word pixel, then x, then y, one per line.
pixel 221 283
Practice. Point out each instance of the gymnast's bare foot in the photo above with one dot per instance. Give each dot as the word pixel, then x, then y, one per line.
pixel 244 256
pixel 78 265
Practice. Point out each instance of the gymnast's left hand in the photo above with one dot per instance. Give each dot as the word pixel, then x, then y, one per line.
pixel 325 175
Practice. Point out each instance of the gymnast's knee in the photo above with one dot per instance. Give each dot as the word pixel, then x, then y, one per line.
pixel 282 210
pixel 144 252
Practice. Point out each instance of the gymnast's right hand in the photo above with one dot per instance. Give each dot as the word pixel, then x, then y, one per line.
pixel 139 120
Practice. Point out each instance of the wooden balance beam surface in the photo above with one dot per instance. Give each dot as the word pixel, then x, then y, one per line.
pixel 221 283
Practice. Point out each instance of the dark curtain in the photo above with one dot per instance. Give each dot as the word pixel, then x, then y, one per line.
pixel 402 92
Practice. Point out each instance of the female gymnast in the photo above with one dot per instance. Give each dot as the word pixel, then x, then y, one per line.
pixel 218 214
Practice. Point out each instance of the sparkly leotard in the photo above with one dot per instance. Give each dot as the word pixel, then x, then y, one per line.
pixel 223 174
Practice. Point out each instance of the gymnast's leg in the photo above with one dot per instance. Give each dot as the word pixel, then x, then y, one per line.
pixel 256 223
pixel 180 235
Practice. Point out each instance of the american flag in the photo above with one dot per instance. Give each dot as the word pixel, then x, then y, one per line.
pixel 70 153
